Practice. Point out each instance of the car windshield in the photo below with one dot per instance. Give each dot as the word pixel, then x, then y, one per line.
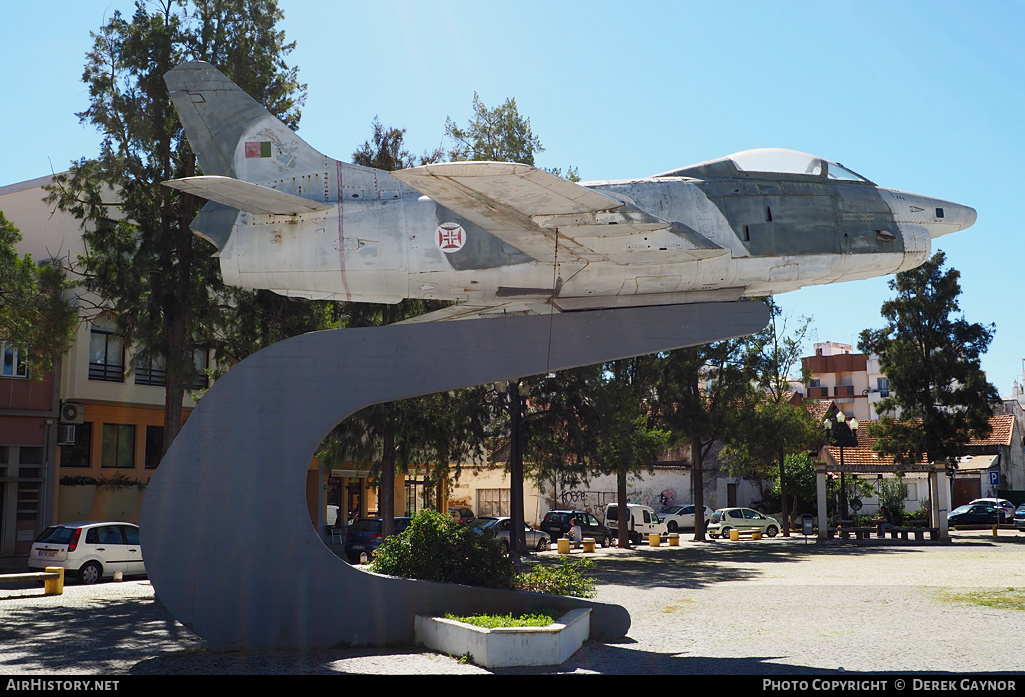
pixel 483 523
pixel 961 509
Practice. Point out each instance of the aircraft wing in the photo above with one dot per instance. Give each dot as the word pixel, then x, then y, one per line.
pixel 247 197
pixel 550 218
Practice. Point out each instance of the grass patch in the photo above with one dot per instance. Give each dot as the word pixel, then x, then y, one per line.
pixel 669 609
pixel 541 618
pixel 1001 599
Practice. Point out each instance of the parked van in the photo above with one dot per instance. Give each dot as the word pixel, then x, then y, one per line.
pixel 642 521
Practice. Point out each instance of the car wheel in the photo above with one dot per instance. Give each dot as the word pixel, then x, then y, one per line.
pixel 671 526
pixel 90 573
pixel 772 531
pixel 542 544
pixel 724 533
pixel 606 541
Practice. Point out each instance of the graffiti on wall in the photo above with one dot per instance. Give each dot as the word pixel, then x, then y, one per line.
pixel 593 502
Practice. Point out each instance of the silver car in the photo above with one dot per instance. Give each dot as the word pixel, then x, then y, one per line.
pixel 500 527
pixel 743 519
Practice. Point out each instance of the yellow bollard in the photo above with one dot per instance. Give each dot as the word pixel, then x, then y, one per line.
pixel 563 545
pixel 755 535
pixel 588 545
pixel 994 531
pixel 654 539
pixel 734 535
pixel 674 539
pixel 54 586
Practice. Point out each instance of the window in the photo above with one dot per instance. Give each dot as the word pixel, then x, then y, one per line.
pixel 201 359
pixel 15 363
pixel 883 385
pixel 154 445
pixel 77 454
pixel 118 446
pixel 106 356
pixel 493 502
pixel 153 371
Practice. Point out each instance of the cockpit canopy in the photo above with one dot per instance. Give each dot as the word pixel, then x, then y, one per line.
pixel 768 160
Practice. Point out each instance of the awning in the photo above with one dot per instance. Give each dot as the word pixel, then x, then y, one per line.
pixel 978 463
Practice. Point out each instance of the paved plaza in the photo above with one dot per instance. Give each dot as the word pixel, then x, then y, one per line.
pixel 768 607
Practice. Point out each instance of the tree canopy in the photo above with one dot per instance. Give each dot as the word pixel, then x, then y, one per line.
pixel 142 259
pixel 932 357
pixel 34 316
pixel 772 426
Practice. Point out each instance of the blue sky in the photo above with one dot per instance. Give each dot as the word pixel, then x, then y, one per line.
pixel 919 96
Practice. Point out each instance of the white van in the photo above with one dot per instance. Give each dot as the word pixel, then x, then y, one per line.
pixel 642 521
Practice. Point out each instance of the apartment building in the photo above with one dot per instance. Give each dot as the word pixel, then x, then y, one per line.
pixel 852 380
pixel 95 424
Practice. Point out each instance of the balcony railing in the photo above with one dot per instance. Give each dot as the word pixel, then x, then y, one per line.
pixel 157 377
pixel 106 373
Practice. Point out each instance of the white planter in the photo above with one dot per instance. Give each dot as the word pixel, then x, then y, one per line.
pixel 507 646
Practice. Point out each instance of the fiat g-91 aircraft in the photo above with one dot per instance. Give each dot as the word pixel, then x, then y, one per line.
pixel 502 238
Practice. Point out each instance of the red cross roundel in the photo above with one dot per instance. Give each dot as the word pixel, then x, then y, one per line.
pixel 450 237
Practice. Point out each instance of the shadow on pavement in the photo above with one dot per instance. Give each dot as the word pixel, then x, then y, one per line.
pixel 92 635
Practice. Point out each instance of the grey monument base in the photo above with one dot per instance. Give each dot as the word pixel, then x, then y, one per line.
pixel 228 541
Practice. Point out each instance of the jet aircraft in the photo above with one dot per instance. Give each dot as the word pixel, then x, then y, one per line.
pixel 502 238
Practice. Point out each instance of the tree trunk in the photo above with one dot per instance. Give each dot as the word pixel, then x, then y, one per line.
pixel 386 490
pixel 624 512
pixel 698 482
pixel 517 539
pixel 783 495
pixel 176 316
pixel 440 494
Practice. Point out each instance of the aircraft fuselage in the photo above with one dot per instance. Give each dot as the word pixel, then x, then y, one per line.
pixel 510 238
pixel 782 233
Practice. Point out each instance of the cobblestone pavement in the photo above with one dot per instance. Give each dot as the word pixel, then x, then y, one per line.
pixel 777 607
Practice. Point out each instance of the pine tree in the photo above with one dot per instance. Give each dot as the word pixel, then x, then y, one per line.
pixel 142 259
pixel 931 356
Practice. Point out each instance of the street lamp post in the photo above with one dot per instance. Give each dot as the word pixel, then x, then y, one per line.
pixel 847 436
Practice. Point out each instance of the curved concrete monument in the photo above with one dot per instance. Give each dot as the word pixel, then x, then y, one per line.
pixel 229 545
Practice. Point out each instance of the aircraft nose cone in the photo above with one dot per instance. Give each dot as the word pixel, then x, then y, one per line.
pixel 968 217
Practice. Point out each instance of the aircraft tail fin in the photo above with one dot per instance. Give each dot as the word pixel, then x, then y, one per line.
pixel 233 135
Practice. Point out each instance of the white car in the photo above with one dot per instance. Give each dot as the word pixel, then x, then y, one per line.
pixel 90 550
pixel 641 521
pixel 682 516
pixel 1005 506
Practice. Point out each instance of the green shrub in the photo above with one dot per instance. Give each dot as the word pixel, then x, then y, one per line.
pixel 541 618
pixel 892 494
pixel 434 548
pixel 568 578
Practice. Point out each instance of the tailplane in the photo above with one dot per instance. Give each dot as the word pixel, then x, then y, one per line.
pixel 234 136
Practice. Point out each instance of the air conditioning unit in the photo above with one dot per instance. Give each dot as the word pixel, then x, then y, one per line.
pixel 66 434
pixel 72 413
